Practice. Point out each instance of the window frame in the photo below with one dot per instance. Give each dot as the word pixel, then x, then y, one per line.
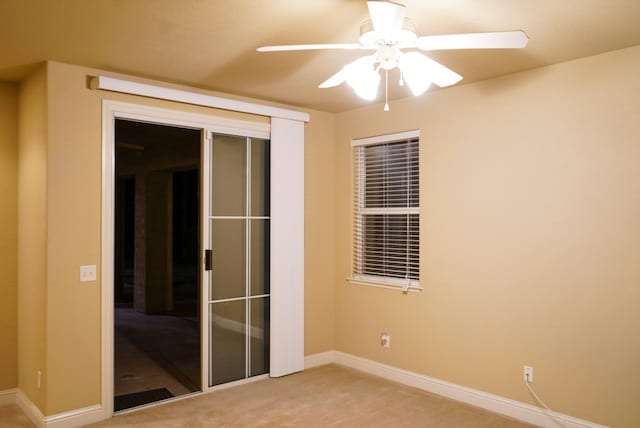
pixel 359 211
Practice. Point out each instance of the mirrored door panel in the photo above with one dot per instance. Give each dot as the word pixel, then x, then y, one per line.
pixel 259 257
pixel 259 340
pixel 228 351
pixel 228 176
pixel 238 222
pixel 229 244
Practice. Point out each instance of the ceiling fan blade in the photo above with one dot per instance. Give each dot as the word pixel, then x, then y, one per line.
pixel 281 48
pixel 387 18
pixel 497 40
pixel 439 74
pixel 334 80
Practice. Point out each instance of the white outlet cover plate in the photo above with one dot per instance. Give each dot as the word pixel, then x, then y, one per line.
pixel 528 372
pixel 88 273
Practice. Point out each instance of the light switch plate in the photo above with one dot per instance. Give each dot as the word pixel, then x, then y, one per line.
pixel 87 273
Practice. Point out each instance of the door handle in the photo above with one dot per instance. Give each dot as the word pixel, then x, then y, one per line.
pixel 208 260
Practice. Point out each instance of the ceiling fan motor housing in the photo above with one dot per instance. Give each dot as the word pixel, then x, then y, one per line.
pixel 404 37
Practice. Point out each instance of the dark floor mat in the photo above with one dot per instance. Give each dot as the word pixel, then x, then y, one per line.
pixel 127 401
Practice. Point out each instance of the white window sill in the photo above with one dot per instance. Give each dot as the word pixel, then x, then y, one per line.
pixel 414 287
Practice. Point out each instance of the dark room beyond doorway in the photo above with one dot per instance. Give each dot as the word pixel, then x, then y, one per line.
pixel 157 337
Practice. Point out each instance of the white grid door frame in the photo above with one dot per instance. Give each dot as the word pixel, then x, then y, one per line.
pixel 248 217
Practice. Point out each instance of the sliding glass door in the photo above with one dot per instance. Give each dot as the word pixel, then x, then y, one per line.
pixel 237 257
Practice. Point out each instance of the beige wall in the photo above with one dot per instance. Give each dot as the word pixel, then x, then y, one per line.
pixel 73 226
pixel 530 217
pixel 9 235
pixel 32 232
pixel 73 232
pixel 319 231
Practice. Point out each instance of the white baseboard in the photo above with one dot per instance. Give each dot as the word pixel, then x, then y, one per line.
pixel 8 396
pixel 70 419
pixel 320 359
pixel 495 403
pixel 75 418
pixel 30 409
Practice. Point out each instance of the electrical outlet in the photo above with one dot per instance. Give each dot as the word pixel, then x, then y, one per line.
pixel 528 373
pixel 385 340
pixel 87 273
pixel 39 379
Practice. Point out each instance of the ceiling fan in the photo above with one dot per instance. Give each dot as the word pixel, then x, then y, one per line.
pixel 387 33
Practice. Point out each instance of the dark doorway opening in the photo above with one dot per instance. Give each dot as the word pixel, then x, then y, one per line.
pixel 157 346
pixel 185 230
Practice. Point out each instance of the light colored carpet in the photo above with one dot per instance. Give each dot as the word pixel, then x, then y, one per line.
pixel 327 396
pixel 12 417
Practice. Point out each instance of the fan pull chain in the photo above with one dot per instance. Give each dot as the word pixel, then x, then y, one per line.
pixel 386 90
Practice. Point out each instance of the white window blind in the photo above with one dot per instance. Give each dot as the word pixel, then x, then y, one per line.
pixel 386 202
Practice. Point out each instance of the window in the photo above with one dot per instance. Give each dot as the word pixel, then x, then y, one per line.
pixel 386 248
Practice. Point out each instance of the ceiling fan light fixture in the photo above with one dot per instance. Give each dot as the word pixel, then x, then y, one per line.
pixel 363 78
pixel 366 85
pixel 417 84
pixel 387 33
pixel 388 57
pixel 415 71
pixel 368 89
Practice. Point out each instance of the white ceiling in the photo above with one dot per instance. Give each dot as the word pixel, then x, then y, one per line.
pixel 211 43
